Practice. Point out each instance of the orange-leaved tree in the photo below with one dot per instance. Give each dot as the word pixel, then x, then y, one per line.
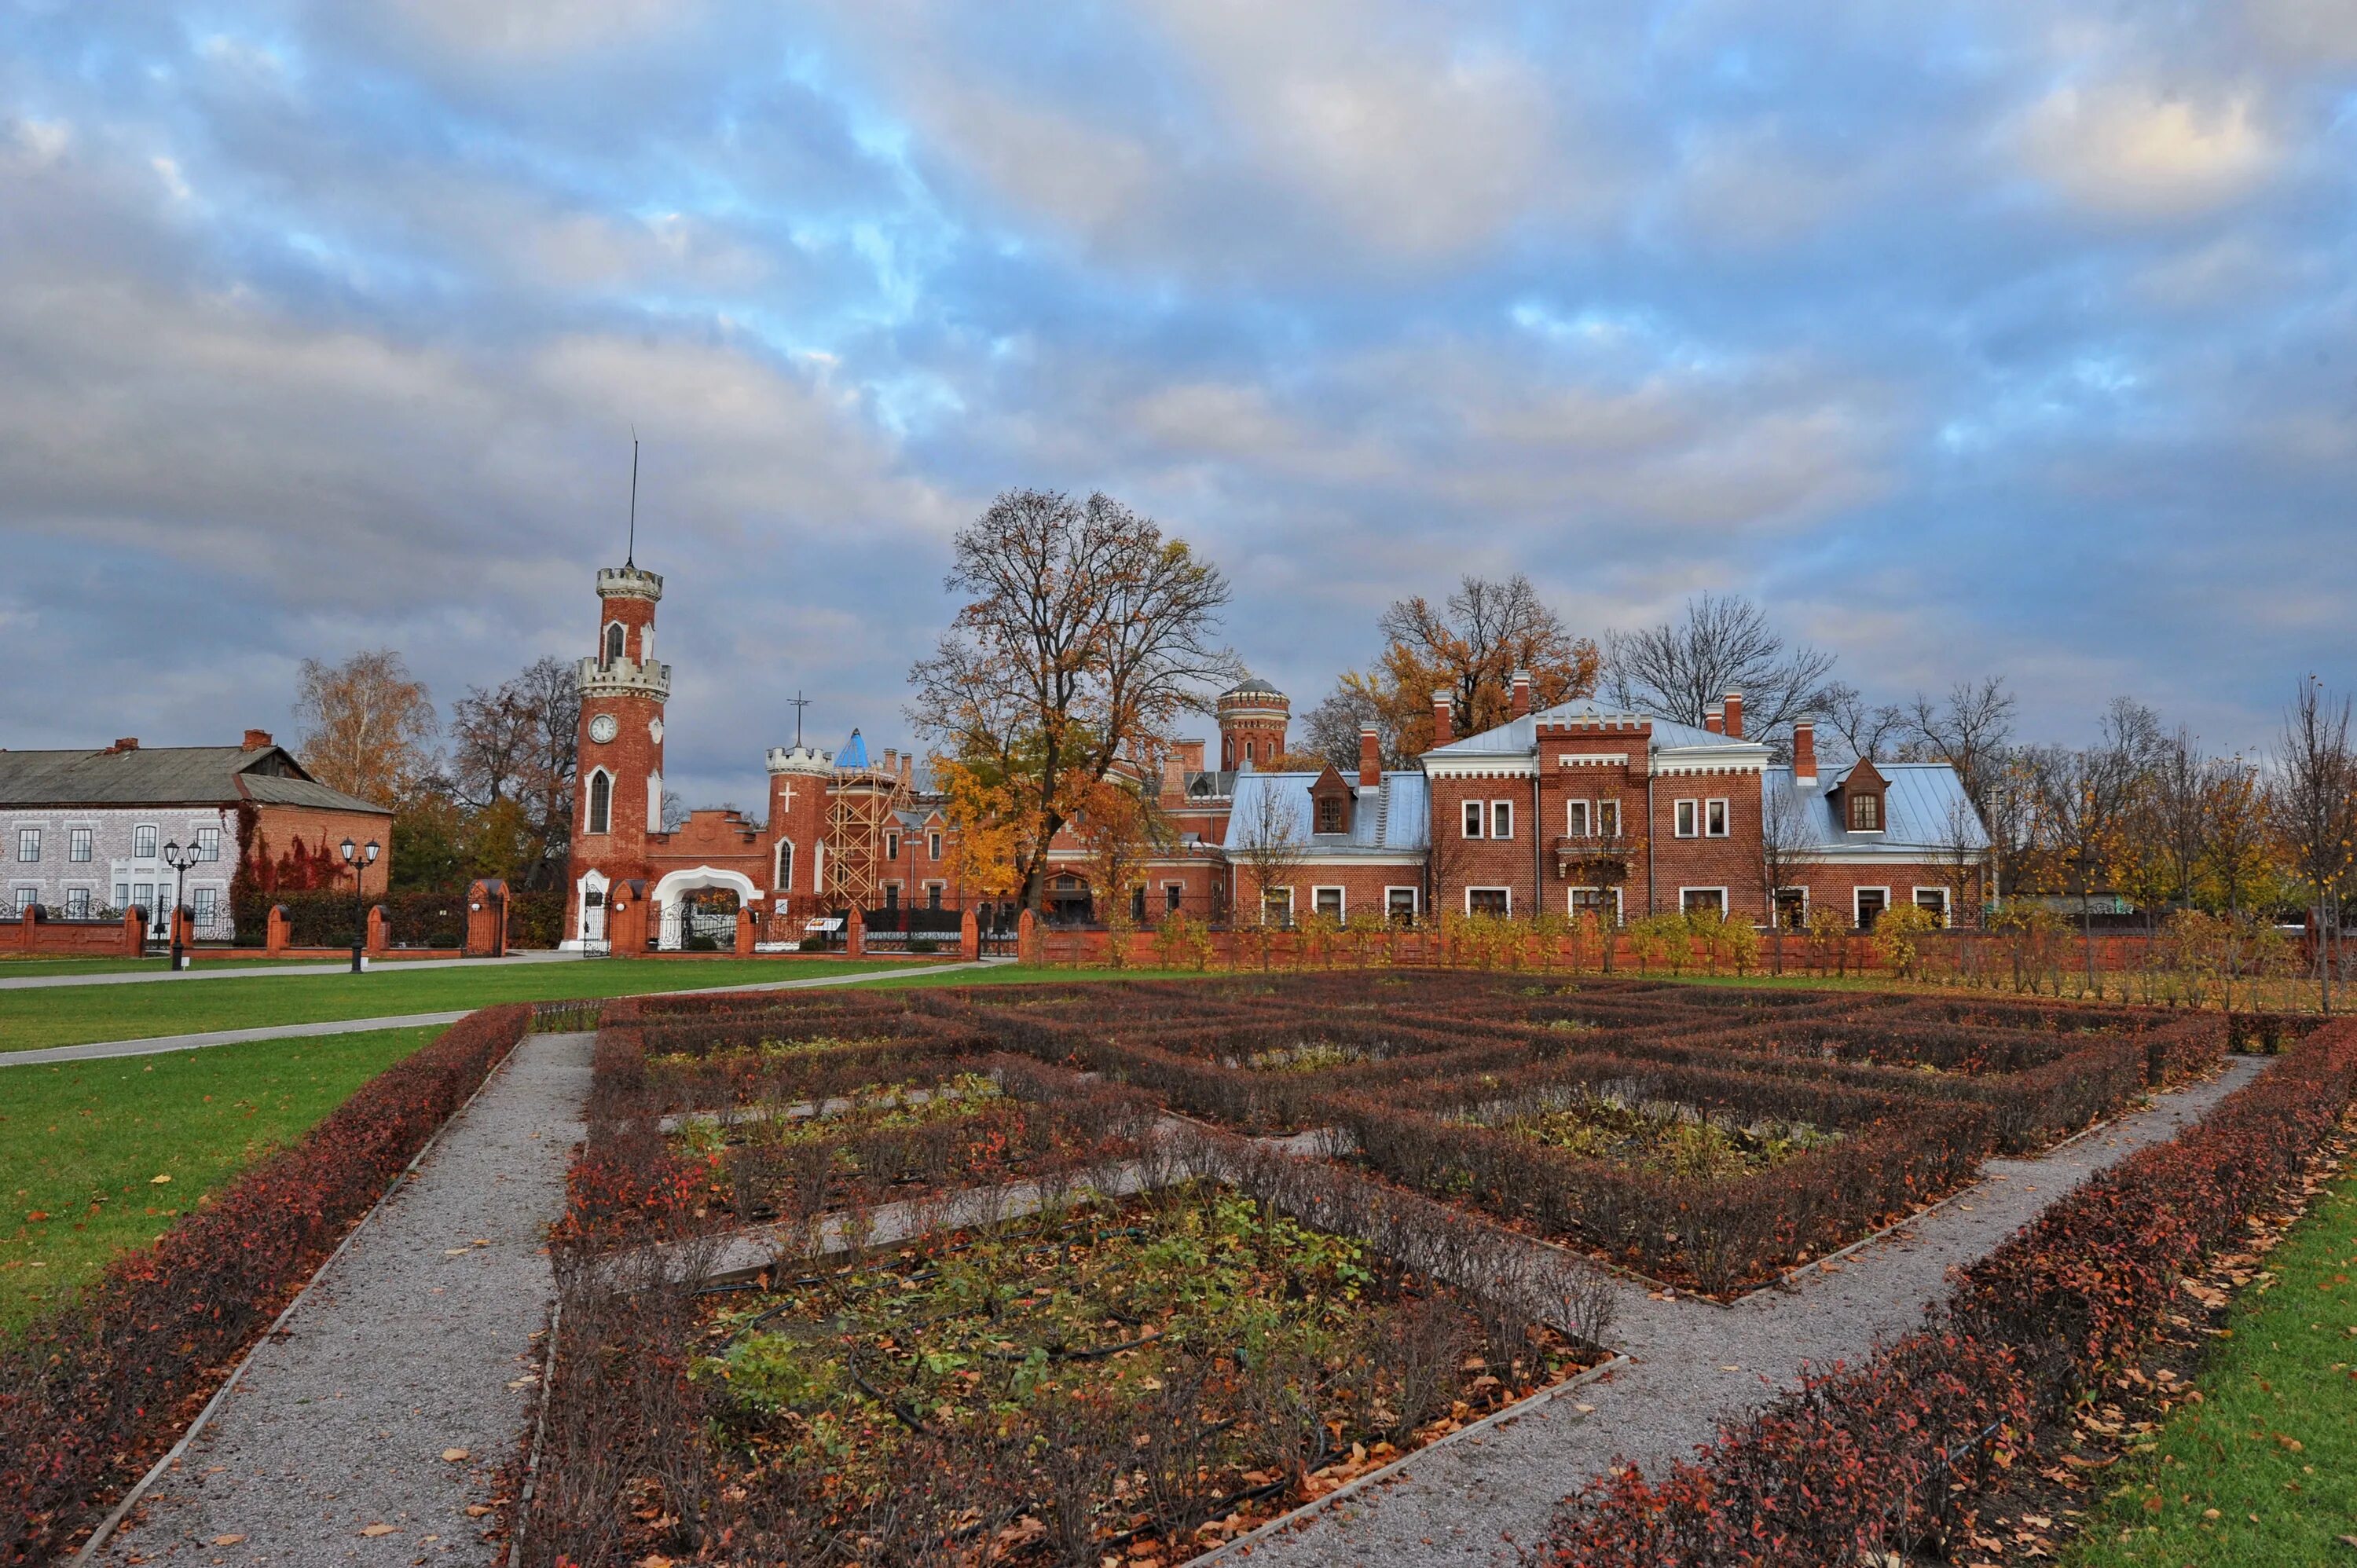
pixel 1085 635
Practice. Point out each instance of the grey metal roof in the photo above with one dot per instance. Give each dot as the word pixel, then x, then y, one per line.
pixel 1916 809
pixel 1395 819
pixel 1516 738
pixel 1255 685
pixel 167 774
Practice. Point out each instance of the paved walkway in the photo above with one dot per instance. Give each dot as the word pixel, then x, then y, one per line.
pixel 99 1049
pixel 202 970
pixel 418 1342
pixel 1696 1364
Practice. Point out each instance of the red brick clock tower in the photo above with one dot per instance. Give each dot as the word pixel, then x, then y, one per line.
pixel 618 797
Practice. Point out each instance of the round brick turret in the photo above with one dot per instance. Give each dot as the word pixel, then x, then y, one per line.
pixel 1252 719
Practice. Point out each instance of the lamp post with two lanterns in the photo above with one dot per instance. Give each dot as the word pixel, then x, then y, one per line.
pixel 179 859
pixel 360 860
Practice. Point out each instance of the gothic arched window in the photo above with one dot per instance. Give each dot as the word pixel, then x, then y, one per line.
pixel 613 644
pixel 785 865
pixel 601 801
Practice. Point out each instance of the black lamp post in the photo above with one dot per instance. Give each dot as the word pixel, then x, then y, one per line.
pixel 179 860
pixel 360 860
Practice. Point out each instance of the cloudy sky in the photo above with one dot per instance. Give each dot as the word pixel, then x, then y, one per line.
pixel 1964 337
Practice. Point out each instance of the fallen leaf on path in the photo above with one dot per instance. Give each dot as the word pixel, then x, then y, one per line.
pixel 454 1455
pixel 227 1540
pixel 477 1511
pixel 376 1530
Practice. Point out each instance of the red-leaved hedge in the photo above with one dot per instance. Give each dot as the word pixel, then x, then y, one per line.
pixel 92 1391
pixel 1877 1459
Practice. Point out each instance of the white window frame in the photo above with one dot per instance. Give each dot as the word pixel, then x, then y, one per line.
pixel 28 838
pixel 1509 892
pixel 208 844
pixel 1571 902
pixel 1174 897
pixel 1414 901
pixel 589 823
pixel 1502 813
pixel 891 846
pixel 1855 894
pixel 80 843
pixel 781 867
pixel 1686 819
pixel 146 833
pixel 1613 808
pixel 1473 818
pixel 1341 898
pixel 1715 807
pixel 1947 911
pixel 620 644
pixel 1775 898
pixel 935 891
pixel 1703 888
pixel 1577 815
pixel 1269 894
pixel 933 845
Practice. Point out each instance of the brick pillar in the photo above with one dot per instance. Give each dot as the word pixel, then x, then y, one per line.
pixel 380 930
pixel 969 936
pixel 487 919
pixel 747 928
pixel 135 934
pixel 855 934
pixel 278 936
pixel 1027 938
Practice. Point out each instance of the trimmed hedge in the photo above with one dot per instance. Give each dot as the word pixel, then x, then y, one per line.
pixel 1885 1457
pixel 94 1390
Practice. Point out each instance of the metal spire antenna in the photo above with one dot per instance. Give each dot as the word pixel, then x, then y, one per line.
pixel 630 551
pixel 798 703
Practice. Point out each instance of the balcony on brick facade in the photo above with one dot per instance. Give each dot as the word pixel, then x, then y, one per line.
pixel 1594 859
pixel 625 676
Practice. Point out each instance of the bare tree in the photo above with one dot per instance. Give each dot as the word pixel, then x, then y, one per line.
pixel 1870 730
pixel 2175 829
pixel 1962 853
pixel 1085 635
pixel 1267 841
pixel 1724 644
pixel 1972 732
pixel 1790 842
pixel 1331 728
pixel 2086 802
pixel 368 726
pixel 2314 813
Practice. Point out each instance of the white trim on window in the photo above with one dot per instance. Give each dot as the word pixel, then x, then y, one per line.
pixel 1857 893
pixel 1414 901
pixel 1608 819
pixel 1945 910
pixel 1716 820
pixel 782 866
pixel 1472 818
pixel 1341 900
pixel 1686 820
pixel 598 814
pixel 1719 892
pixel 1507 893
pixel 1576 815
pixel 1775 898
pixel 1501 819
pixel 1571 901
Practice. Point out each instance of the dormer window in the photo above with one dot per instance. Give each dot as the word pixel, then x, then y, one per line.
pixel 1329 803
pixel 1865 813
pixel 1329 815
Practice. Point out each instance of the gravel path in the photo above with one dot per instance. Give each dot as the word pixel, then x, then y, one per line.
pixel 1695 1363
pixel 99 1049
pixel 420 1339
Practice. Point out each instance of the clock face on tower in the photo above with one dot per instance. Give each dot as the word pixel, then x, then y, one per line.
pixel 602 728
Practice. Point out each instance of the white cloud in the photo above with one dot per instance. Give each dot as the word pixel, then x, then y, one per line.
pixel 2134 149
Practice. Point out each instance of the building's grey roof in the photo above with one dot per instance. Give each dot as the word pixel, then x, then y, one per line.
pixel 167 775
pixel 1516 738
pixel 1396 819
pixel 1253 686
pixel 1211 784
pixel 1916 809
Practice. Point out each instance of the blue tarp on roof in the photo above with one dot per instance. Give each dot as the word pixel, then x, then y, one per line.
pixel 854 753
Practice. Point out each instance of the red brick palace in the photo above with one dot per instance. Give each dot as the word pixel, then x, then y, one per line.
pixel 1571 807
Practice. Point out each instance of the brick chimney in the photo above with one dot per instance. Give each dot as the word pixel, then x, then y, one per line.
pixel 1714 721
pixel 1522 689
pixel 1444 724
pixel 1734 710
pixel 1371 757
pixel 1805 754
pixel 255 740
pixel 891 759
pixel 908 770
pixel 128 743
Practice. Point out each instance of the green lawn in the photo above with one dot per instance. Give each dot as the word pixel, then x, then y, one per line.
pixel 80 1145
pixel 2264 1471
pixel 73 1014
pixel 40 968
